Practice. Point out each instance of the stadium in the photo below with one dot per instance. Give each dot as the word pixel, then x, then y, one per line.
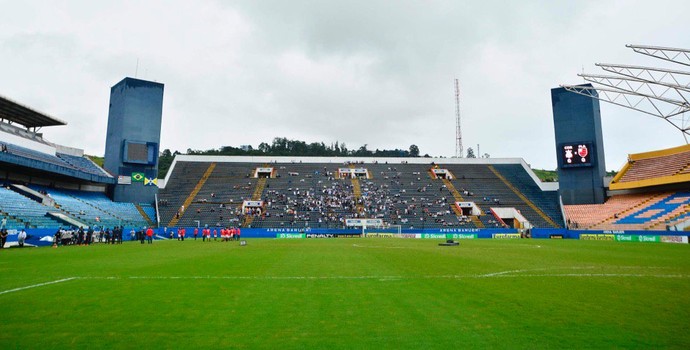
pixel 331 246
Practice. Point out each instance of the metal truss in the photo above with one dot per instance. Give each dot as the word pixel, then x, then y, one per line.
pixel 663 93
pixel 680 56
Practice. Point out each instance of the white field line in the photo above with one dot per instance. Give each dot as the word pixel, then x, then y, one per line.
pixel 500 274
pixel 37 285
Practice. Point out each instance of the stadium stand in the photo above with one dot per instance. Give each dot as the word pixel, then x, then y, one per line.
pixel 23 212
pixel 311 194
pixel 662 167
pixel 94 208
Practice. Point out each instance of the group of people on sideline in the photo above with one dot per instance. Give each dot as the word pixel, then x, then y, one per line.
pixel 225 234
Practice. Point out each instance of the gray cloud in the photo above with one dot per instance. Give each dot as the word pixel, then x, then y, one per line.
pixel 360 72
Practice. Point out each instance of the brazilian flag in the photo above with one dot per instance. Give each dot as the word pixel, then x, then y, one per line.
pixel 137 177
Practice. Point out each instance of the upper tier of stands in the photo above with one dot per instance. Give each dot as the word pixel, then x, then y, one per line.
pixel 80 167
pixel 654 168
pixel 311 194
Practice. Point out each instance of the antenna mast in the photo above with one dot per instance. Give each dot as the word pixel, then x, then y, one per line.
pixel 458 131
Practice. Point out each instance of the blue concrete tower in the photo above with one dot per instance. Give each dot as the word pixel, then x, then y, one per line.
pixel 579 147
pixel 133 138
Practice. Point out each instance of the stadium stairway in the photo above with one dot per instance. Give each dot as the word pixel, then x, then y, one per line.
pixel 62 217
pixel 523 198
pixel 458 198
pixel 256 196
pixel 173 222
pixel 357 192
pixel 143 214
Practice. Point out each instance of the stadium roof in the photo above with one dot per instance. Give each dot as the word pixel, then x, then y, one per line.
pixel 17 113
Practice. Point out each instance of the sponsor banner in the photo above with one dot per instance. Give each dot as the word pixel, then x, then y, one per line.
pixel 381 235
pixel 627 238
pixel 331 235
pixel 433 236
pixel 290 235
pixel 505 235
pixel 674 239
pixel 321 235
pixel 461 236
pixel 597 237
pixel 556 236
pixel 645 238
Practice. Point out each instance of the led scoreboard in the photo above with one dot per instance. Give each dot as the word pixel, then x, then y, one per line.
pixel 578 154
pixel 140 152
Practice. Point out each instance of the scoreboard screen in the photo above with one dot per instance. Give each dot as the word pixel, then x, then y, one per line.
pixel 577 154
pixel 140 152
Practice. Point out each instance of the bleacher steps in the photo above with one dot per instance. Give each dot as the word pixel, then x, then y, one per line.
pixel 144 215
pixel 523 198
pixel 34 195
pixel 357 192
pixel 660 222
pixel 173 222
pixel 645 203
pixel 68 220
pixel 256 196
pixel 458 198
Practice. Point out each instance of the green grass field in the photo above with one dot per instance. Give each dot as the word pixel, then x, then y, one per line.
pixel 347 294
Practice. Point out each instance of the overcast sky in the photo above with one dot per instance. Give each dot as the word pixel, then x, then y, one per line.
pixel 360 72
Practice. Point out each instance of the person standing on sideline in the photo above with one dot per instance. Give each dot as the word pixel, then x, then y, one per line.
pixel 196 232
pixel 21 237
pixel 89 235
pixel 237 234
pixel 3 223
pixel 149 235
pixel 3 237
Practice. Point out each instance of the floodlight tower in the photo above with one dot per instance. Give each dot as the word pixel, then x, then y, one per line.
pixel 458 131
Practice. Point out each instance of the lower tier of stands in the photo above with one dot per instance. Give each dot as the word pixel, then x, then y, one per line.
pixel 89 208
pixel 632 212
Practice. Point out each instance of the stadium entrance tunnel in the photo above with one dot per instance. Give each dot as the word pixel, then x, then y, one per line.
pixel 511 217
